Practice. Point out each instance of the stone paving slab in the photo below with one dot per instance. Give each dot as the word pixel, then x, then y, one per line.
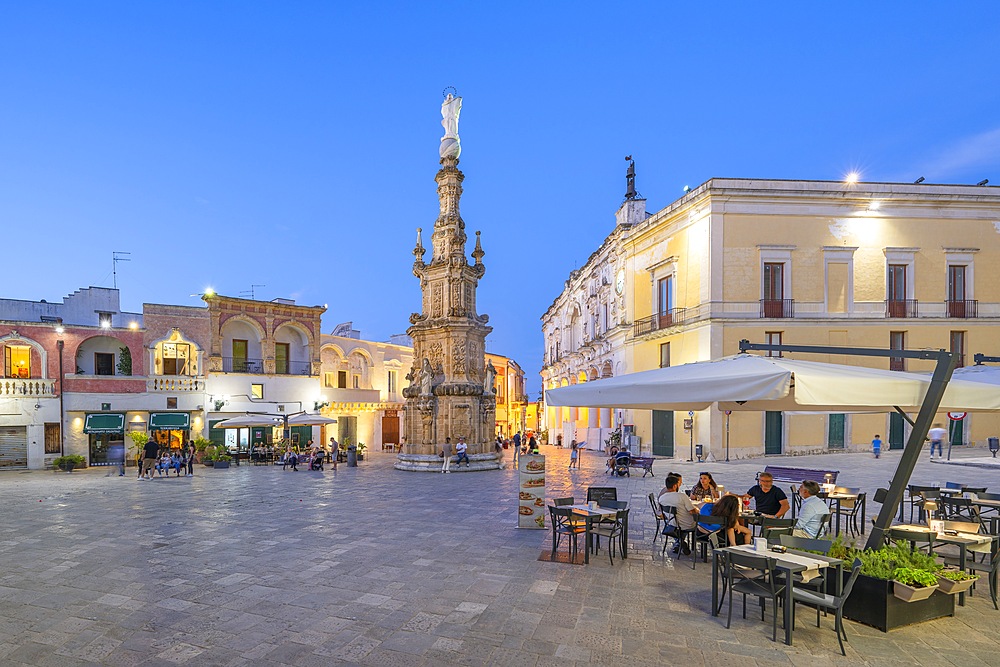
pixel 374 566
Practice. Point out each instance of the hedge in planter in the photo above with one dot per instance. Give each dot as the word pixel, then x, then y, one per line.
pixel 69 461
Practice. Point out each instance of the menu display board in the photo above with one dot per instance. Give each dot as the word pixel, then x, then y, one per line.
pixel 531 492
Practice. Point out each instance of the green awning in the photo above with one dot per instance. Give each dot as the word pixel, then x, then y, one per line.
pixel 169 421
pixel 105 422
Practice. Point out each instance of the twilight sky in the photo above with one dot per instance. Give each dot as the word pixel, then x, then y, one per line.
pixel 294 145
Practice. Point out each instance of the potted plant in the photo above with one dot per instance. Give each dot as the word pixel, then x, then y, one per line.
pixel 954 581
pixel 200 445
pixel 139 440
pixel 222 458
pixel 911 584
pixel 208 456
pixel 69 461
pixel 873 601
pixel 361 451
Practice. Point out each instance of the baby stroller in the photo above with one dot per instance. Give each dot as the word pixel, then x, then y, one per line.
pixel 622 461
pixel 316 462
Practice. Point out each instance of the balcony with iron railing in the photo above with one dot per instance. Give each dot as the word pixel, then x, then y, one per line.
pixel 658 321
pixel 242 365
pixel 900 308
pixel 777 308
pixel 962 308
pixel 292 368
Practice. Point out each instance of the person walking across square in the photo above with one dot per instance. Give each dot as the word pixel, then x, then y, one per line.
pixel 877 446
pixel 937 436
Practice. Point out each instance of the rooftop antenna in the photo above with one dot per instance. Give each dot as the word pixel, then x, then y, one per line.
pixel 118 256
pixel 251 292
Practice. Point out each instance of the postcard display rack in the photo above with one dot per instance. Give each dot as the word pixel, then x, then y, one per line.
pixel 531 492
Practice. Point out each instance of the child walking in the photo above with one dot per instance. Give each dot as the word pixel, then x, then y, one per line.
pixel 574 455
pixel 877 446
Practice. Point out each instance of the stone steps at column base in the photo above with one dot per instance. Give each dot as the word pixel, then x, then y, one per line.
pixel 432 463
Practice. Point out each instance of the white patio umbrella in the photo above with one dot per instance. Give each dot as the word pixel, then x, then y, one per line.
pixel 310 420
pixel 749 382
pixel 249 421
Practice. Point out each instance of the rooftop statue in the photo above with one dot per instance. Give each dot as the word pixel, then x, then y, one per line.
pixel 450 143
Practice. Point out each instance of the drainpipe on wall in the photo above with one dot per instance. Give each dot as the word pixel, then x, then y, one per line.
pixel 62 425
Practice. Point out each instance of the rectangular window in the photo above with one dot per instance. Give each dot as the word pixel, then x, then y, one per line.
pixel 171 403
pixel 104 320
pixel 53 438
pixel 257 391
pixel 664 355
pixel 956 282
pixel 500 387
pixel 958 347
pixel 897 341
pixel 390 382
pixel 342 379
pixel 175 358
pixel 774 281
pixel 773 338
pixel 281 358
pixel 607 320
pixel 104 363
pixel 328 379
pixel 896 284
pixel 239 355
pixel 356 381
pixel 665 295
pixel 17 361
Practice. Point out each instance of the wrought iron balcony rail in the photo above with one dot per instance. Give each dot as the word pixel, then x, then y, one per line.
pixel 241 365
pixel 657 321
pixel 292 368
pixel 965 308
pixel 900 307
pixel 777 308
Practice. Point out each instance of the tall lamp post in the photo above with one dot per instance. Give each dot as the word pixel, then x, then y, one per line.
pixel 60 344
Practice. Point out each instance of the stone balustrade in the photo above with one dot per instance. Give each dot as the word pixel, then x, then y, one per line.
pixel 15 387
pixel 174 383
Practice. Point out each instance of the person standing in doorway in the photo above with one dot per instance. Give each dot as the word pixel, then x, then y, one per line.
pixel 937 436
pixel 446 455
pixel 877 446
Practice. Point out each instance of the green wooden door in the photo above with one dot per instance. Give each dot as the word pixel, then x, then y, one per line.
pixel 216 435
pixel 663 433
pixel 896 431
pixel 956 432
pixel 301 435
pixel 835 434
pixel 773 432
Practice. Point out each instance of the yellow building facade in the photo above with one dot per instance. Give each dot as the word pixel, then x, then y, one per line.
pixel 893 266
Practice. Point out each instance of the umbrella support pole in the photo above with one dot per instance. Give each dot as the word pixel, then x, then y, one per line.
pixel 943 369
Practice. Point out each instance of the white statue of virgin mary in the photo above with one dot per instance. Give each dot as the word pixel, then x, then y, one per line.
pixel 450 143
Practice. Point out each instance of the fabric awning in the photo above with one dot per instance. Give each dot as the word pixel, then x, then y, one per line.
pixel 105 422
pixel 169 421
pixel 748 382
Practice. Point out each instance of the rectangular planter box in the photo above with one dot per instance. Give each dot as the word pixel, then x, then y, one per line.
pixel 219 465
pixel 872 603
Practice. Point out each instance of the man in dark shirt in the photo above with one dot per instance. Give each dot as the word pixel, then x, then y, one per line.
pixel 149 454
pixel 769 500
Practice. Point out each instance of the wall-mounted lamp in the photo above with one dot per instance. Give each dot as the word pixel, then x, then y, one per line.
pixel 320 404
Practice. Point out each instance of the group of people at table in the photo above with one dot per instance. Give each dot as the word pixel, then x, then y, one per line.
pixel 707 498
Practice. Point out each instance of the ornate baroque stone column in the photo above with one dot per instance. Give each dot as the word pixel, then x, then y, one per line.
pixel 446 397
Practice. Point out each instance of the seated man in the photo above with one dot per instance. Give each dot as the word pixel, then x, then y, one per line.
pixel 672 496
pixel 461 449
pixel 811 512
pixel 769 500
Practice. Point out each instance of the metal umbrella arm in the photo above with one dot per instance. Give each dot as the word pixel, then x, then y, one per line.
pixel 943 369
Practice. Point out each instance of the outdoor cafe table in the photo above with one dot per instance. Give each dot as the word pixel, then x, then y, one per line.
pixel 791 562
pixel 838 498
pixel 965 542
pixel 601 512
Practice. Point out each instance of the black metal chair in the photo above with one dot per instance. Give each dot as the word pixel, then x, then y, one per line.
pixel 657 514
pixel 923 540
pixel 564 523
pixel 752 575
pixel 919 497
pixel 958 509
pixel 806 544
pixel 684 536
pixel 704 540
pixel 796 499
pixel 849 510
pixel 834 603
pixel 771 529
pixel 599 493
pixel 614 531
pixel 562 502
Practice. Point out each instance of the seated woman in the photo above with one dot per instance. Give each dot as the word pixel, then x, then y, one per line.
pixel 612 453
pixel 728 507
pixel 705 489
pixel 176 462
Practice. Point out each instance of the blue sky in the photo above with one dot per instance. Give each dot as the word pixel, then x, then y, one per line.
pixel 294 145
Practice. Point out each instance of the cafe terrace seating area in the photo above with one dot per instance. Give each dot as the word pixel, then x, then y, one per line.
pixel 777 574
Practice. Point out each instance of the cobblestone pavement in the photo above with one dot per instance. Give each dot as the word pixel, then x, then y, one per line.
pixel 255 566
